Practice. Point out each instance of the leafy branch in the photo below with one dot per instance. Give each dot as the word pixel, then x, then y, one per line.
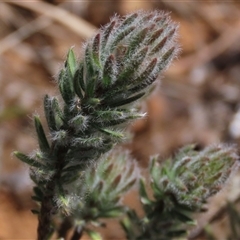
pixel 78 178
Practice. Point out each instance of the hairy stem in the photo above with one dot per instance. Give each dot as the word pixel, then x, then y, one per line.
pixel 44 224
pixel 78 232
pixel 66 225
pixel 48 206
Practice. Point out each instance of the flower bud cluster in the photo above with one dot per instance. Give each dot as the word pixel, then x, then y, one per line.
pixel 192 176
pixel 181 186
pixel 119 65
pixel 103 187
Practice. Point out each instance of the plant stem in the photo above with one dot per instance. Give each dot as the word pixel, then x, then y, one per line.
pixel 48 207
pixel 66 225
pixel 78 231
pixel 44 225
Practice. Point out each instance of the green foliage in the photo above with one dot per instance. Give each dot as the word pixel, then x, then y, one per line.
pixel 77 179
pixel 183 181
pixel 100 191
pixel 180 186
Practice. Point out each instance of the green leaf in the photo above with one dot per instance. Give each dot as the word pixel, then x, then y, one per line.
pixel 153 169
pixel 78 167
pixel 127 186
pixel 88 66
pixel 113 213
pixel 125 101
pixel 166 58
pixel 109 71
pixel 93 101
pixel 155 188
pixel 137 39
pixel 156 34
pixel 127 225
pixel 120 36
pixel 81 78
pixel 76 82
pixel 148 71
pixel 133 65
pixel 96 49
pixel 30 161
pixel 129 20
pixel 50 113
pixel 42 140
pixel 144 197
pixel 146 79
pixel 70 177
pixel 66 87
pixel 71 62
pixel 115 182
pixel 114 134
pixel 106 33
pixel 159 46
pixel 111 122
pixel 183 216
pixel 93 234
pixel 40 182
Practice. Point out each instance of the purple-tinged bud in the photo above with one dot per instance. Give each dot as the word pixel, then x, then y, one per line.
pixel 96 48
pixel 159 46
pixel 109 71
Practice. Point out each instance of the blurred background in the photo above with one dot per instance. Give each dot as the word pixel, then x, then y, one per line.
pixel 198 101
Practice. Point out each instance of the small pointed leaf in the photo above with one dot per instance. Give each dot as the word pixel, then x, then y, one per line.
pixel 42 139
pixel 144 197
pixel 93 234
pixel 30 161
pixel 71 62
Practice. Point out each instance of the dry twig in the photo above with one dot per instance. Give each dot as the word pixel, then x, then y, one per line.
pixel 228 38
pixel 22 33
pixel 76 24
